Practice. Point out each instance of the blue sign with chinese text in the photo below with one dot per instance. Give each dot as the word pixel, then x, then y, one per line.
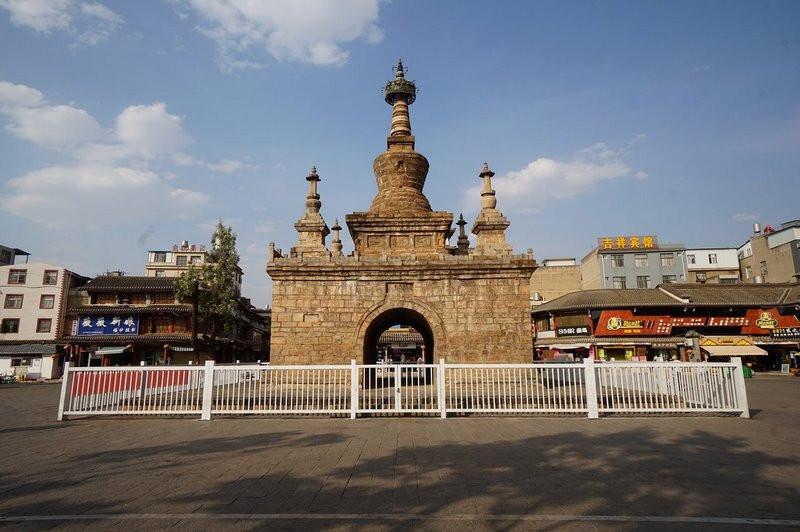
pixel 107 325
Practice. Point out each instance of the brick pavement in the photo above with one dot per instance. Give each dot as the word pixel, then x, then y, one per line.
pixel 400 473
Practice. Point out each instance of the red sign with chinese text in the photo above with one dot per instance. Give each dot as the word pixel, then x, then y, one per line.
pixel 625 323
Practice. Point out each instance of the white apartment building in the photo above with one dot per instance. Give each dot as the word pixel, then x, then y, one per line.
pixel 173 262
pixel 712 265
pixel 33 301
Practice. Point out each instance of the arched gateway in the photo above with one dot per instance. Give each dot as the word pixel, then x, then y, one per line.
pixel 470 304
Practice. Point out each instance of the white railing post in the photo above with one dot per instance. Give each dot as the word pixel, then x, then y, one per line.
pixel 353 389
pixel 63 396
pixel 590 381
pixel 440 389
pixel 208 390
pixel 738 382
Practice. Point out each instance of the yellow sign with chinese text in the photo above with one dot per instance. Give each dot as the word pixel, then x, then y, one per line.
pixel 627 242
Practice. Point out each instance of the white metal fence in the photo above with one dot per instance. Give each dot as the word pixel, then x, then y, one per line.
pixel 440 389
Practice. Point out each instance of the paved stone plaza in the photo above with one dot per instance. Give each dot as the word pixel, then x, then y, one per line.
pixel 400 473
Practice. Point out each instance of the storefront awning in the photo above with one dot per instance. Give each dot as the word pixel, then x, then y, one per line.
pixel 733 350
pixel 568 346
pixel 112 350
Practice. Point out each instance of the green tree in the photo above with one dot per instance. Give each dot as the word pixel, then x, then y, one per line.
pixel 213 288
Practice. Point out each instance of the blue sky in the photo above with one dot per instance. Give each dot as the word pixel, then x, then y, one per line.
pixel 127 126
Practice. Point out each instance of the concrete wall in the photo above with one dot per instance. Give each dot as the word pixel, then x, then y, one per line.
pixel 782 258
pixel 555 281
pixel 599 271
pixel 32 291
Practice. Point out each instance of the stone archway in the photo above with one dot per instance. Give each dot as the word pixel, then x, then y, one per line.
pixel 409 313
pixel 397 316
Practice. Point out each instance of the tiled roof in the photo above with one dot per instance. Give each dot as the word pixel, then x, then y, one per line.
pixel 730 294
pixel 27 349
pixel 389 337
pixel 130 339
pixel 608 298
pixel 130 283
pixel 130 309
pixel 677 295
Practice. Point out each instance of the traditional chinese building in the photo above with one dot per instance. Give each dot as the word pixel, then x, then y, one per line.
pixel 681 321
pixel 469 304
pixel 124 320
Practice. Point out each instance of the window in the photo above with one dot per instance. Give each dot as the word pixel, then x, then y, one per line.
pixel 618 260
pixel 181 261
pixel 667 260
pixel 670 279
pixel 19 362
pixel 161 273
pixel 748 272
pixel 43 325
pixel 643 281
pixel 702 277
pixel 47 301
pixel 17 276
pixel 123 299
pixel 619 282
pixel 712 258
pixel 160 256
pixel 691 258
pixel 50 277
pixel 641 260
pixel 763 267
pixel 5 256
pixel 196 259
pixel 9 326
pixel 13 301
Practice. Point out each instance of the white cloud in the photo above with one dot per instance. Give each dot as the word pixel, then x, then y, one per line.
pixel 641 174
pixel 226 166
pixel 547 179
pixel 90 22
pixel 93 196
pixel 745 217
pixel 19 95
pixel 40 15
pixel 312 32
pixel 150 130
pixel 56 126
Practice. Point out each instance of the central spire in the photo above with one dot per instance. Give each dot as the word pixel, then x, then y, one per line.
pixel 400 171
pixel 400 93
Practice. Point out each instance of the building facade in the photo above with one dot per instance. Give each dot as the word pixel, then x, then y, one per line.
pixel 554 278
pixel 176 260
pixel 712 265
pixel 633 262
pixel 118 320
pixel 34 299
pixel 469 304
pixel 674 321
pixel 772 256
pixel 9 255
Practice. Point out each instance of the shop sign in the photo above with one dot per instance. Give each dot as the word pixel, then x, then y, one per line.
pixel 755 321
pixel 627 242
pixel 766 321
pixel 576 330
pixel 786 332
pixel 726 340
pixel 107 325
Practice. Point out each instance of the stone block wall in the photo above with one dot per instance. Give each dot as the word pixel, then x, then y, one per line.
pixel 478 311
